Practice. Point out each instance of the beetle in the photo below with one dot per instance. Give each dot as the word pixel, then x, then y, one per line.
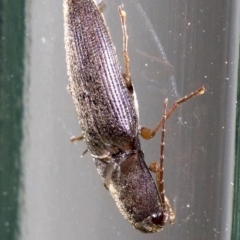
pixel 106 105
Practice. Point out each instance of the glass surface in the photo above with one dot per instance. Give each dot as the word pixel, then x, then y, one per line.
pixel 63 196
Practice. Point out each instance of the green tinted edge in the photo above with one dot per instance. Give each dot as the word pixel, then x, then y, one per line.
pixel 236 198
pixel 12 32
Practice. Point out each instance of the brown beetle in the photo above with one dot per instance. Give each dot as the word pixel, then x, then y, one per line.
pixel 106 105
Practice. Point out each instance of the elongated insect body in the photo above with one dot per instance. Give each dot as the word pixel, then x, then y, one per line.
pixel 108 116
pixel 106 105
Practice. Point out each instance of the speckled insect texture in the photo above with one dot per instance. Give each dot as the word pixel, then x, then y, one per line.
pixel 106 105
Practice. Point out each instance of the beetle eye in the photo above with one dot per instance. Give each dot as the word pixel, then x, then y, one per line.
pixel 158 219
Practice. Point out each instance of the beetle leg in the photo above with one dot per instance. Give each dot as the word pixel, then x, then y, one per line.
pixel 158 167
pixel 159 170
pixel 147 133
pixel 84 152
pixel 78 138
pixel 126 75
pixel 171 213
